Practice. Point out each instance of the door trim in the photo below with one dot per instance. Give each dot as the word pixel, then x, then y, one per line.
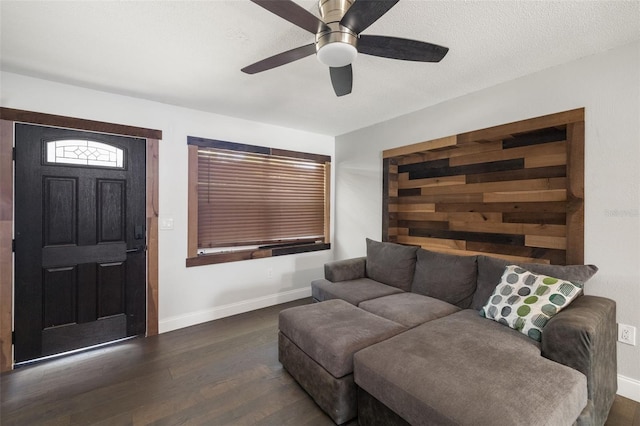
pixel 8 117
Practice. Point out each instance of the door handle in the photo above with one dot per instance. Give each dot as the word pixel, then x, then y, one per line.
pixel 136 250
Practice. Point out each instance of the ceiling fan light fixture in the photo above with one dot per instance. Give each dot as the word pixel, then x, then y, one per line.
pixel 337 54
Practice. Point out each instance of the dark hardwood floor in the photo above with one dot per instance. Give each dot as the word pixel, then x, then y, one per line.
pixel 224 372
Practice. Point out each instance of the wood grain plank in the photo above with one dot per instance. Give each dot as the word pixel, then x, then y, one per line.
pixel 404 182
pixel 387 206
pixel 509 228
pixel 327 202
pixel 530 151
pixel 32 117
pixel 575 193
pixel 514 259
pixel 550 160
pixel 506 207
pixel 235 256
pixel 559 243
pixel 446 198
pixel 507 186
pixel 550 255
pixel 476 217
pixel 551 120
pixel 522 174
pixel 427 243
pixel 525 196
pixel 6 236
pixel 152 213
pixel 192 201
pixel 419 207
pixel 535 217
pixel 453 152
pixel 422 146
pixel 422 216
pixel 494 238
pixel 441 168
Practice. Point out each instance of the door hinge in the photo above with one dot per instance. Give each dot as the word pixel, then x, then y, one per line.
pixel 13 246
pixel 13 337
pixel 13 153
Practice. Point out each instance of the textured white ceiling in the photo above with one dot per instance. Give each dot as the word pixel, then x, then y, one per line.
pixel 190 53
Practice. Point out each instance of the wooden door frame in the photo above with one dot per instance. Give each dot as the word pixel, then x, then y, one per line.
pixel 8 118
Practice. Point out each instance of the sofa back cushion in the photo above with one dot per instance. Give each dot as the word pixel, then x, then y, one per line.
pixel 391 264
pixel 446 277
pixel 490 271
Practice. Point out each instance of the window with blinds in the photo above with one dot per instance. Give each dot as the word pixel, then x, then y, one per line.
pixel 256 201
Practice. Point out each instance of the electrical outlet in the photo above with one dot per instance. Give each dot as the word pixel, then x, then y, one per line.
pixel 627 334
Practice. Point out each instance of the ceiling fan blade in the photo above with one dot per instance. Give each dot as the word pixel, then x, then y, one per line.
pixel 363 13
pixel 281 59
pixel 401 48
pixel 341 79
pixel 294 13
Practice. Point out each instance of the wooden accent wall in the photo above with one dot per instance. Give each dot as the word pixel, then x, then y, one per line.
pixel 514 191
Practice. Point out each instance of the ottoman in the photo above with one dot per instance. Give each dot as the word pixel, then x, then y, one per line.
pixel 316 344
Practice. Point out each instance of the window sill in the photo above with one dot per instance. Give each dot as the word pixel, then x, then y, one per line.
pixel 213 258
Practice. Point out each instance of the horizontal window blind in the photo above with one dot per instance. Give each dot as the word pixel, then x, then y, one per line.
pixel 247 198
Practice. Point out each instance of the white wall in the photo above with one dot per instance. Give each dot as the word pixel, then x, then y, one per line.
pixel 188 295
pixel 608 86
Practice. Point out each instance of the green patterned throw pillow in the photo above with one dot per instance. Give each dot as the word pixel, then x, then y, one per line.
pixel 526 301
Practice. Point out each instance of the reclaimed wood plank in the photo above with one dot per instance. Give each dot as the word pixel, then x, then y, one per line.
pixel 421 146
pixel 505 207
pixel 507 186
pixel 525 196
pixel 404 182
pixel 546 121
pixel 453 152
pixel 426 242
pixel 522 174
pixel 419 207
pixel 547 149
pixel 559 159
pixel 509 228
pixel 559 243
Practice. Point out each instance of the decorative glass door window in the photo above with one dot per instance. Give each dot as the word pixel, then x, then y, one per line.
pixel 84 153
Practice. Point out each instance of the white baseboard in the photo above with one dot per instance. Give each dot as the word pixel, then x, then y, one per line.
pixel 181 321
pixel 629 388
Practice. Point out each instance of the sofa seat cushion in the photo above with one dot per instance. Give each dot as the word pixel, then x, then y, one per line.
pixel 352 291
pixel 473 371
pixel 408 309
pixel 331 332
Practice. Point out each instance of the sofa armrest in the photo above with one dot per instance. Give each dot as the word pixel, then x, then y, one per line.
pixel 343 270
pixel 583 337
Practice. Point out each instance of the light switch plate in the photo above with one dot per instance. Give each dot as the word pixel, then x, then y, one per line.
pixel 166 223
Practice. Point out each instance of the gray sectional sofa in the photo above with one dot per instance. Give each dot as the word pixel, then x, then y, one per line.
pixel 441 360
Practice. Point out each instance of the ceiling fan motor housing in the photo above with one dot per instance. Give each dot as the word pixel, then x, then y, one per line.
pixel 337 47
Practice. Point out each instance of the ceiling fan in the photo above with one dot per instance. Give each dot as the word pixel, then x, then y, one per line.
pixel 338 38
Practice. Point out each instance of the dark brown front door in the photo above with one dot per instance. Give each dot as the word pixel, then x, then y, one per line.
pixel 79 240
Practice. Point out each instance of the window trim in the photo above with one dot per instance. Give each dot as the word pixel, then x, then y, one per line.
pixel 195 259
